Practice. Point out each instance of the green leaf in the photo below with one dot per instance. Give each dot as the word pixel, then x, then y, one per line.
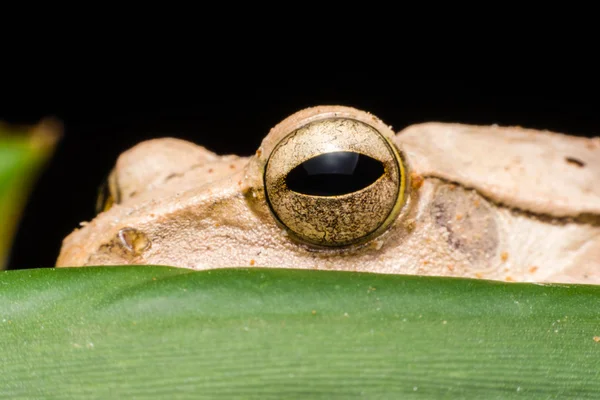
pixel 24 151
pixel 157 332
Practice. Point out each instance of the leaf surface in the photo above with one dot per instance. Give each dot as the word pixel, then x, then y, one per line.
pixel 24 150
pixel 158 332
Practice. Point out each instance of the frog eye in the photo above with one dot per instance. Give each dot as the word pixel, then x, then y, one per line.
pixel 335 182
pixel 108 195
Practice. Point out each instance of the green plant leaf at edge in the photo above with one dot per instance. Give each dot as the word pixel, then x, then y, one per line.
pixel 24 151
pixel 158 332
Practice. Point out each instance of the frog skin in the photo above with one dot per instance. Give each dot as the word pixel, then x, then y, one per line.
pixel 446 199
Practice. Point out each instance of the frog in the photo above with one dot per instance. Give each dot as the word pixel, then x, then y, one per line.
pixel 333 187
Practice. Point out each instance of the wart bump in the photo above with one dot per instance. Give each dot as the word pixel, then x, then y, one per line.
pixel 133 240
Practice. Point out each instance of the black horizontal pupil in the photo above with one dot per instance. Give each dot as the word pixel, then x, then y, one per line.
pixel 334 174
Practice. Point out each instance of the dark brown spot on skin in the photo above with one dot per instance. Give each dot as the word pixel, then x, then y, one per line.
pixel 232 166
pixel 532 270
pixel 210 170
pixel 575 161
pixel 173 175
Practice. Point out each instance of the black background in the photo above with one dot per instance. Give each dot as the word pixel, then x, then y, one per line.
pixel 103 120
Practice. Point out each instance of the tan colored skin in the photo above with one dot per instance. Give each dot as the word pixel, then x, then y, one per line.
pixel 481 202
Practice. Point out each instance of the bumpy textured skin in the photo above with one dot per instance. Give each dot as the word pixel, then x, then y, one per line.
pixel 540 171
pixel 497 212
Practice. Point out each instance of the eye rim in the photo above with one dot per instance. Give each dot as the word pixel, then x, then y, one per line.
pixel 401 192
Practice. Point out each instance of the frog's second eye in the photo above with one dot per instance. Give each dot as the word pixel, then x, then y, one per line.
pixel 335 182
pixel 108 195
